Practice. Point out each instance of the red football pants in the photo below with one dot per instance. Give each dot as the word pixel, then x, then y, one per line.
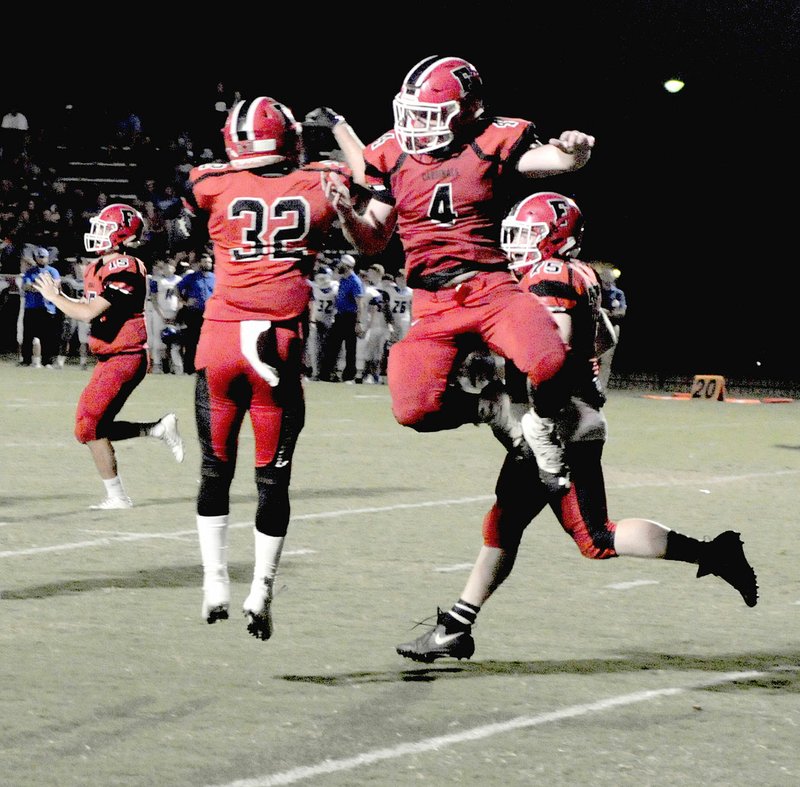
pixel 511 322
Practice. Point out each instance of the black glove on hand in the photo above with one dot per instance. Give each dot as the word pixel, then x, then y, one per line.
pixel 325 117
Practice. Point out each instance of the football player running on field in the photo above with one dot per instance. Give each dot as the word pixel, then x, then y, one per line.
pixel 268 218
pixel 113 304
pixel 541 237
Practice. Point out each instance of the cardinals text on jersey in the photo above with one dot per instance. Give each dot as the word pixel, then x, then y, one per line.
pixel 449 208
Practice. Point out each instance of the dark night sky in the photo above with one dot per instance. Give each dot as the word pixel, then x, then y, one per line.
pixel 684 192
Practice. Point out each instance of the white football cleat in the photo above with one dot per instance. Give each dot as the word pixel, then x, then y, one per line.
pixel 167 430
pixel 216 597
pixel 257 608
pixel 111 503
pixel 542 436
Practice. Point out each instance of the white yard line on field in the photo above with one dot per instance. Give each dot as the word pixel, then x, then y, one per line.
pixel 477 733
pixel 123 537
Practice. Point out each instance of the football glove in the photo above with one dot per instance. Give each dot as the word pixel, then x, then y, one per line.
pixel 324 117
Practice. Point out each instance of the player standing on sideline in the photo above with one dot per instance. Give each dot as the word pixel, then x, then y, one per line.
pixel 113 303
pixel 542 236
pixel 268 219
pixel 166 302
pixel 401 298
pixel 439 177
pixel 379 324
pixel 322 314
pixel 73 283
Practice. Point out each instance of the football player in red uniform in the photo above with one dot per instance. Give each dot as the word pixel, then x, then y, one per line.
pixel 268 218
pixel 442 178
pixel 113 304
pixel 541 237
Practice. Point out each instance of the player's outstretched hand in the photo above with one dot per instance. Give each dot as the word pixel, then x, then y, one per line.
pixel 575 143
pixel 325 117
pixel 47 286
pixel 337 192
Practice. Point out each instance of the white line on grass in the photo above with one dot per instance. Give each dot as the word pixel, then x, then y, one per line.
pixel 476 733
pixel 632 584
pixel 116 539
pixel 371 510
pixel 455 567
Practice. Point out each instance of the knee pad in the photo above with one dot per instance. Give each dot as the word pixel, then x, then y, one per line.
pixel 272 511
pixel 213 499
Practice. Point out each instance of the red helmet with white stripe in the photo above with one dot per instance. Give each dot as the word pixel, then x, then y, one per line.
pixel 439 96
pixel 541 226
pixel 116 225
pixel 261 132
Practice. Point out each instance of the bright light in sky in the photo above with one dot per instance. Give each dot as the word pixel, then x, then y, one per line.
pixel 673 85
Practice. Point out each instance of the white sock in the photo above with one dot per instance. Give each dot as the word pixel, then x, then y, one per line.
pixel 114 487
pixel 157 430
pixel 212 532
pixel 267 555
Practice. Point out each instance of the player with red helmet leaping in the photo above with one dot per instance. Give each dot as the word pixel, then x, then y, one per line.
pixel 541 236
pixel 268 218
pixel 442 178
pixel 113 305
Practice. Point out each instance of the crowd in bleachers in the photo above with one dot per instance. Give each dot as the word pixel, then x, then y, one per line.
pixel 42 206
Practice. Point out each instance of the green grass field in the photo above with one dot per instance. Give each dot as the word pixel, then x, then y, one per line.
pixel 622 672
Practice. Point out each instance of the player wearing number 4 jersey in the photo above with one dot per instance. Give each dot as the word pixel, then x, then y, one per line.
pixel 442 178
pixel 267 217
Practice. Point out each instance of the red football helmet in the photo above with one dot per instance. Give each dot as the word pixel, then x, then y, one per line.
pixel 539 227
pixel 439 96
pixel 261 132
pixel 114 226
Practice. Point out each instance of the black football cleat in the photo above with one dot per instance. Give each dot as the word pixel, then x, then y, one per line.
pixel 438 643
pixel 724 558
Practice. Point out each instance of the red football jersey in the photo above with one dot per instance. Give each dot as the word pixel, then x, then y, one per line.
pixel 571 287
pixel 266 228
pixel 449 209
pixel 122 280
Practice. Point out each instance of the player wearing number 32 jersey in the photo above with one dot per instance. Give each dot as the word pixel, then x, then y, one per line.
pixel 267 217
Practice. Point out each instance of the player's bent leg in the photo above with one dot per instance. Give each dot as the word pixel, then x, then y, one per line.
pixel 582 511
pixel 418 374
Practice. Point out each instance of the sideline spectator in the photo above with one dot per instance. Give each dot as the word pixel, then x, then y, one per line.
pixel 72 285
pixel 194 289
pixel 347 327
pixel 401 298
pixel 615 305
pixel 14 127
pixel 40 318
pixel 378 325
pixel 166 304
pixel 323 312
